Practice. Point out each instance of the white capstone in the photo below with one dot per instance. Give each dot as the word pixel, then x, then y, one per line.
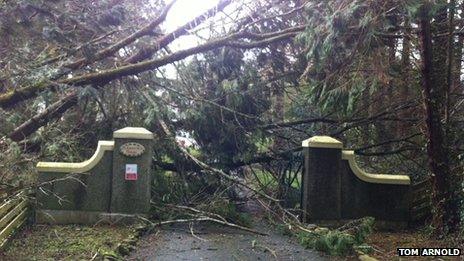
pixel 322 142
pixel 133 133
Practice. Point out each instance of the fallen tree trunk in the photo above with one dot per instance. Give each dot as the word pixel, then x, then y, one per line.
pixel 41 119
pixel 103 77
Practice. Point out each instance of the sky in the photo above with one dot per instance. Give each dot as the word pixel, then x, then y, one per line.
pixel 185 10
pixel 182 12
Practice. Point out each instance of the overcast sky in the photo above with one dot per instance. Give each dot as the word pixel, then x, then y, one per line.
pixel 185 10
pixel 182 12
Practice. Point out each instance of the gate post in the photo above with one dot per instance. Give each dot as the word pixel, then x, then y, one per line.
pixel 321 198
pixel 131 179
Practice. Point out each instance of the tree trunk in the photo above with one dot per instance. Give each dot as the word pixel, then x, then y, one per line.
pixel 406 81
pixel 445 214
pixel 41 119
pixel 383 129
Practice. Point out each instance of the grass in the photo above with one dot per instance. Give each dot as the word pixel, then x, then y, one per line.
pixel 265 178
pixel 70 242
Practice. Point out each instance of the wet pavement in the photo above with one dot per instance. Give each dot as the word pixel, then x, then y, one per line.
pixel 213 242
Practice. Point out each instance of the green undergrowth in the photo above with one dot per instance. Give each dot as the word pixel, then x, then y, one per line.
pixel 169 189
pixel 70 242
pixel 338 242
pixel 229 211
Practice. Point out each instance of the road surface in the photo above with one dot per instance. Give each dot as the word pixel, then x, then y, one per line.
pixel 213 242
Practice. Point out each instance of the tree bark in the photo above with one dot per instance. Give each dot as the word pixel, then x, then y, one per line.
pixel 445 214
pixel 406 81
pixel 41 119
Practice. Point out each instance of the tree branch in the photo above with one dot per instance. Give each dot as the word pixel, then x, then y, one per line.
pixel 148 29
pixel 39 120
pixel 165 40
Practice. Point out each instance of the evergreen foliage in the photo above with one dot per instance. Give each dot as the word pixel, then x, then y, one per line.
pixel 336 242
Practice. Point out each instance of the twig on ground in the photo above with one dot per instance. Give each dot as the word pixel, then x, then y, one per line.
pixel 197 211
pixel 193 234
pixel 199 219
pixel 94 256
pixel 296 223
pixel 254 244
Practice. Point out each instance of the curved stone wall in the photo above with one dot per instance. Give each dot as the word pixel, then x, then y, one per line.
pixel 336 188
pixel 99 188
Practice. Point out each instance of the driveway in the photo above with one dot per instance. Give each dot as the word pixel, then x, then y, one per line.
pixel 212 242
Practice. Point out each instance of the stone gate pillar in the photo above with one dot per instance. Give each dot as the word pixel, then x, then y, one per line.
pixel 321 199
pixel 131 179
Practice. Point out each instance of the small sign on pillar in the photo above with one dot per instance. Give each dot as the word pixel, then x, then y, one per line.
pixel 131 172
